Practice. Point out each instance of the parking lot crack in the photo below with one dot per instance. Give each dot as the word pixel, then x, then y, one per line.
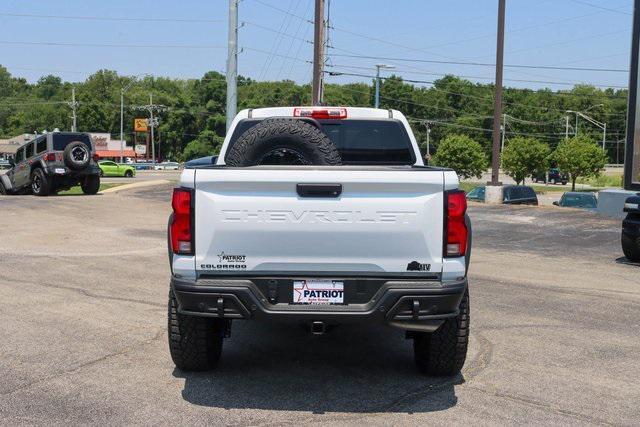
pixel 89 363
pixel 539 404
pixel 82 291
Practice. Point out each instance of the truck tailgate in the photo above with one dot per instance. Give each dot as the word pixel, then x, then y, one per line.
pixel 252 221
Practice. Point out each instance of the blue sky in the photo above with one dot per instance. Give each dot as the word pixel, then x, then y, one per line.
pixel 191 36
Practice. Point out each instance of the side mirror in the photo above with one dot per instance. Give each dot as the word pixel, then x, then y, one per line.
pixel 556 204
pixel 632 205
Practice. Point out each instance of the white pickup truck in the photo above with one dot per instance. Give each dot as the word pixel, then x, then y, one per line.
pixel 320 216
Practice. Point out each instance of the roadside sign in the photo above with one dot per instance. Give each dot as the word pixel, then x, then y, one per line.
pixel 141 149
pixel 140 125
pixel 632 151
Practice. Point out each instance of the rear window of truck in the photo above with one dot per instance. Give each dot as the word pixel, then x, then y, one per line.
pixel 60 141
pixel 360 142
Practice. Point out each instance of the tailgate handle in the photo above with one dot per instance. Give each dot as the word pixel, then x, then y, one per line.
pixel 319 190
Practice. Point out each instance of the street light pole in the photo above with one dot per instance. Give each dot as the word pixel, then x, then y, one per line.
pixel 378 67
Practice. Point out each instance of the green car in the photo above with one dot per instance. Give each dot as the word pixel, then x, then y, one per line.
pixel 109 168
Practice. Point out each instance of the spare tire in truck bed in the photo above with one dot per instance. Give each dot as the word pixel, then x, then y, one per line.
pixel 283 141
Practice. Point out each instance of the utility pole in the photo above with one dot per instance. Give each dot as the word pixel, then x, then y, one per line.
pixel 153 121
pixel 566 127
pixel 378 67
pixel 122 91
pixel 232 63
pixel 497 111
pixel 73 104
pixel 318 54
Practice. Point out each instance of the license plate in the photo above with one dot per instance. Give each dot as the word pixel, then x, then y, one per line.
pixel 318 292
pixel 60 171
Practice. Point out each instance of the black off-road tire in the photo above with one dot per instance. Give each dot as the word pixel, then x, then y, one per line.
pixel 40 183
pixel 631 248
pixel 303 139
pixel 3 191
pixel 90 184
pixel 443 352
pixel 195 343
pixel 76 156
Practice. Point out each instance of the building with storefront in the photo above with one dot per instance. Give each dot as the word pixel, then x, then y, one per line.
pixel 111 149
pixel 9 146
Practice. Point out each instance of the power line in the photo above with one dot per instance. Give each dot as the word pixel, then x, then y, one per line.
pixel 273 30
pixel 104 18
pixel 278 55
pixel 286 12
pixel 516 30
pixel 599 7
pixel 481 64
pixel 337 73
pixel 547 109
pixel 277 40
pixel 141 46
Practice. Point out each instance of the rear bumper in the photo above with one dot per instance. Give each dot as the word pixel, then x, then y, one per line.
pixel 65 172
pixel 413 305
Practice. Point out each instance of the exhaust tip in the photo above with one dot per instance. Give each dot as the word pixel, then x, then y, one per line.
pixel 318 328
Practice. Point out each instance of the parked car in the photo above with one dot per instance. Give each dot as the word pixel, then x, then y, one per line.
pixel 201 161
pixel 511 195
pixel 553 176
pixel 631 229
pixel 519 195
pixel 109 168
pixel 578 199
pixel 144 166
pixel 476 194
pixel 319 245
pixel 53 162
pixel 167 166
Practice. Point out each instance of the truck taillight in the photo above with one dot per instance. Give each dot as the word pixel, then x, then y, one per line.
pixel 182 224
pixel 455 228
pixel 321 113
pixel 50 157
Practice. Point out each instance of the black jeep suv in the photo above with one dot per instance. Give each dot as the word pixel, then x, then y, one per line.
pixel 53 162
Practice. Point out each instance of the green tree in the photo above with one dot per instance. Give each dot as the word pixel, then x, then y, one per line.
pixel 579 157
pixel 522 157
pixel 206 144
pixel 462 154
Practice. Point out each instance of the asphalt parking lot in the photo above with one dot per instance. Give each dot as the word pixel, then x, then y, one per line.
pixel 83 282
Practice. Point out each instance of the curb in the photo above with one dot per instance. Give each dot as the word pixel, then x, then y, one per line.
pixel 135 185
